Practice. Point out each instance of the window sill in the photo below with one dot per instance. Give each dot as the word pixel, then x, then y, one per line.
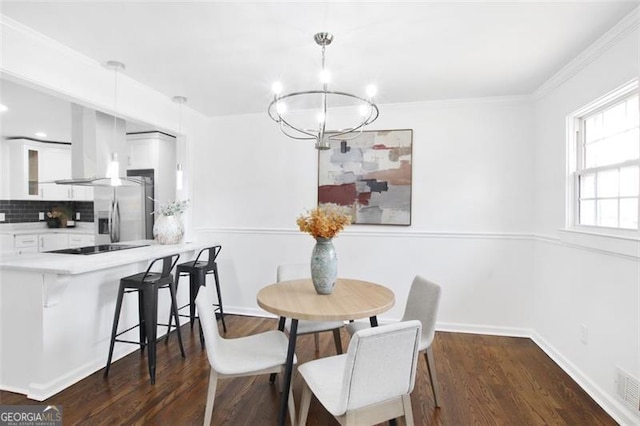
pixel 625 245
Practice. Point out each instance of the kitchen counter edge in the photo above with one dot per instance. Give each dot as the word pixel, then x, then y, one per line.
pixel 70 264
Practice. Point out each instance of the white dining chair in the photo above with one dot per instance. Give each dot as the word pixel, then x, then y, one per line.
pixel 372 382
pixel 422 305
pixel 254 355
pixel 299 271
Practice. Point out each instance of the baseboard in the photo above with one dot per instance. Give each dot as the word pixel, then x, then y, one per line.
pixel 616 409
pixel 12 389
pixel 43 391
pixel 490 330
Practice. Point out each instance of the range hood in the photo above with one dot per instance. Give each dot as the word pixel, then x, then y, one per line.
pixel 100 181
pixel 95 137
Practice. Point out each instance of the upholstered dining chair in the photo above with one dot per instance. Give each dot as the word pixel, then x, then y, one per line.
pixel 422 305
pixel 254 355
pixel 300 271
pixel 372 382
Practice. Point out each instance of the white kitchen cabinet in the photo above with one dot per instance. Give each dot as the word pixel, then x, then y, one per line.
pixel 81 193
pixel 23 164
pixel 143 153
pixel 34 243
pixel 157 151
pixel 54 164
pixel 81 240
pixel 48 242
pixel 26 243
pixel 33 166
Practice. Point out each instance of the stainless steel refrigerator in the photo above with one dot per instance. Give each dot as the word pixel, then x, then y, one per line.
pixel 124 213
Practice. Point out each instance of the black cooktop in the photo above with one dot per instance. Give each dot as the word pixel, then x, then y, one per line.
pixel 103 248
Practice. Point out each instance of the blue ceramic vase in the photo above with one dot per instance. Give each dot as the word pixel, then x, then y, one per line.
pixel 324 266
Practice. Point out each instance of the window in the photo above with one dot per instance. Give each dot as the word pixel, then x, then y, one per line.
pixel 606 181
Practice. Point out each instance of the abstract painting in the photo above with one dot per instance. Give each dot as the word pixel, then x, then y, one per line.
pixel 371 173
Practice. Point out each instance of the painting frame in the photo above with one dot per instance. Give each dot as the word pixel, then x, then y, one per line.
pixel 372 173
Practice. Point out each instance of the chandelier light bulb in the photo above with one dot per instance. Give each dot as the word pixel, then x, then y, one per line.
pixel 320 117
pixel 276 88
pixel 281 107
pixel 371 90
pixel 325 76
pixel 364 109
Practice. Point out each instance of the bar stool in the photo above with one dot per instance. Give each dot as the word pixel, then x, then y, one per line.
pixel 147 285
pixel 197 270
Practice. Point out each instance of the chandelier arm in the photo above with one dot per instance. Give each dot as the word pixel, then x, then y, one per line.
pixel 341 136
pixel 308 132
pixel 284 129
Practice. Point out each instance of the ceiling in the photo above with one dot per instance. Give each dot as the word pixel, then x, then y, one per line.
pixel 224 56
pixel 31 111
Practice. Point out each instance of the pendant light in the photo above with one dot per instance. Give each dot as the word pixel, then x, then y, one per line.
pixel 113 172
pixel 179 173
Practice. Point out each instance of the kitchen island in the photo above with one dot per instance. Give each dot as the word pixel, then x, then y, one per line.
pixel 56 313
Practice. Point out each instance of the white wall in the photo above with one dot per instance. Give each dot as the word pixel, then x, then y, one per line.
pixel 471 209
pixel 579 279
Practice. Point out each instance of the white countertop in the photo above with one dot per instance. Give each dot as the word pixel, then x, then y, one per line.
pixel 72 264
pixel 41 228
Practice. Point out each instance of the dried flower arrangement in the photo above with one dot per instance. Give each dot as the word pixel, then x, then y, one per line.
pixel 325 221
pixel 172 208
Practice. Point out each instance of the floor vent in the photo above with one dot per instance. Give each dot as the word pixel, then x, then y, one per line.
pixel 629 389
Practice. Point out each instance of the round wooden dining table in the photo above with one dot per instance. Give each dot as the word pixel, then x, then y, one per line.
pixel 297 299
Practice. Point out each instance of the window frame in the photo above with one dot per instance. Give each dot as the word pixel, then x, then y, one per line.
pixel 576 123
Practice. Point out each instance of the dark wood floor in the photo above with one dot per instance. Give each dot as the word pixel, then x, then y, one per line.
pixel 484 380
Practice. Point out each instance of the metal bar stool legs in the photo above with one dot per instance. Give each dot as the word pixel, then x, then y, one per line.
pixel 114 330
pixel 146 285
pixel 150 301
pixel 197 272
pixel 219 293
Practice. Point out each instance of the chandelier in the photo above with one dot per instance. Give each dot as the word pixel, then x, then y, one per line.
pixel 294 126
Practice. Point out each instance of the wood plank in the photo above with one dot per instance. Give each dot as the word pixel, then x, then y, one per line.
pixel 484 380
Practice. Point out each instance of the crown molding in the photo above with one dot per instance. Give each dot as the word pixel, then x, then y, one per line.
pixel 622 29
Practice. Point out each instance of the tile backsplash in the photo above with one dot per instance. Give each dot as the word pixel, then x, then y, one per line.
pixel 19 211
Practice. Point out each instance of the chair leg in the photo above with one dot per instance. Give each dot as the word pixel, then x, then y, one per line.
pixel 408 410
pixel 431 366
pixel 150 295
pixel 141 319
pixel 193 291
pixel 201 282
pixel 292 407
pixel 337 340
pixel 316 339
pixel 304 404
pixel 177 280
pixel 215 276
pixel 281 321
pixel 174 313
pixel 211 396
pixel 114 329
